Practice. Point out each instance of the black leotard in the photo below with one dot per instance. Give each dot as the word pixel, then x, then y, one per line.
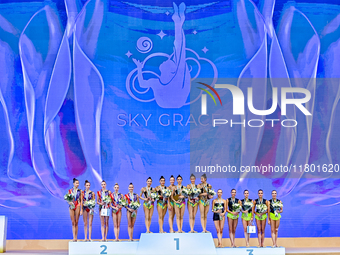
pixel 146 192
pixel 216 216
pixel 243 208
pixel 230 203
pixel 271 207
pixel 257 202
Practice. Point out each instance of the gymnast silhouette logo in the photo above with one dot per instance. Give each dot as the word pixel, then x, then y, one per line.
pixel 171 88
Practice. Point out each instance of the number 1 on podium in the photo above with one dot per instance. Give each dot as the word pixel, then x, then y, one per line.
pixel 177 243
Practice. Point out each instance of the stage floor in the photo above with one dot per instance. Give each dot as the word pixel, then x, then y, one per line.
pixel 290 251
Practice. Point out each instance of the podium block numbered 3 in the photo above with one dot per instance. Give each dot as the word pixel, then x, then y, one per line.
pixel 251 251
pixel 166 244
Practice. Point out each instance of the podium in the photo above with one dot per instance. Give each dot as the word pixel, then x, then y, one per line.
pixel 167 244
pixel 3 233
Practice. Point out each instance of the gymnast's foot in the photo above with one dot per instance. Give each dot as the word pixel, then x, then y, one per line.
pixel 178 16
pixel 181 12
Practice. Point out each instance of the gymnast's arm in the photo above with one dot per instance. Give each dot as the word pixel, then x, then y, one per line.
pixel 143 83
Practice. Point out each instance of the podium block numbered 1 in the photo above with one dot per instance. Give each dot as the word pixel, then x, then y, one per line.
pixel 177 243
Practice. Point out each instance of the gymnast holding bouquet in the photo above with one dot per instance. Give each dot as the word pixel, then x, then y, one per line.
pixel 261 210
pixel 274 216
pixel 247 214
pixel 163 195
pixel 75 201
pixel 193 199
pixel 149 199
pixel 233 209
pixel 171 205
pixel 131 210
pixel 118 202
pixel 89 204
pixel 178 196
pixel 206 194
pixel 218 208
pixel 104 201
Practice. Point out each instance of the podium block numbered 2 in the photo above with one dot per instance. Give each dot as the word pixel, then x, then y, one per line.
pixel 99 248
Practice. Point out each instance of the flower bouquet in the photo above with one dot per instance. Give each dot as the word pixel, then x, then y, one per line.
pixel 166 193
pixel 236 207
pixel 277 207
pixel 91 205
pixel 217 208
pixel 261 208
pixel 122 202
pixel 211 192
pixel 154 196
pixel 247 206
pixel 107 200
pixel 185 192
pixel 134 206
pixel 194 193
pixel 69 198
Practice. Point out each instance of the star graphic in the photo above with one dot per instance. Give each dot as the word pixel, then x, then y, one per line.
pixel 167 13
pixel 161 34
pixel 194 32
pixel 205 50
pixel 128 54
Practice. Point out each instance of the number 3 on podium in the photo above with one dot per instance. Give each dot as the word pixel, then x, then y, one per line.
pixel 177 243
pixel 250 252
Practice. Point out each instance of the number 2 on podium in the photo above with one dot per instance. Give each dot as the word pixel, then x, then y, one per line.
pixel 177 243
pixel 104 249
